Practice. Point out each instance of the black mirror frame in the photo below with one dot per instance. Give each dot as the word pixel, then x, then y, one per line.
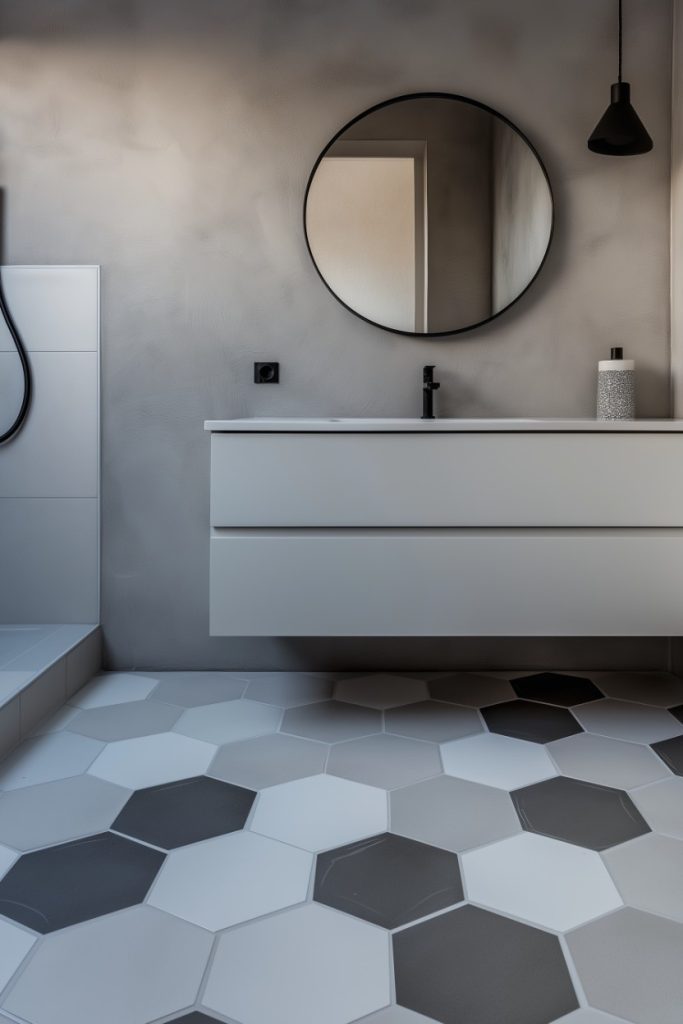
pixel 422 96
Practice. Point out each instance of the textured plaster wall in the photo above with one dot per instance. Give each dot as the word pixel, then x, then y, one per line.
pixel 170 142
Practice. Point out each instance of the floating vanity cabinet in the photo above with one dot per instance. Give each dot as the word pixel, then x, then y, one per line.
pixel 446 528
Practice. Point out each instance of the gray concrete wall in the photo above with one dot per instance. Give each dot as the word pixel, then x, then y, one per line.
pixel 171 141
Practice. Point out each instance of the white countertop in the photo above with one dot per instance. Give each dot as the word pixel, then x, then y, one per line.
pixel 419 426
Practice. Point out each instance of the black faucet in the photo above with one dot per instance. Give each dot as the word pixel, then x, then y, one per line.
pixel 429 386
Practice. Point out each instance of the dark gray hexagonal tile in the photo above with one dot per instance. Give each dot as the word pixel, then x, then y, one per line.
pixel 470 966
pixel 331 721
pixel 388 880
pixel 195 1018
pixel 671 753
pixel 178 813
pixel 581 813
pixel 556 688
pixel 677 712
pixel 62 885
pixel 528 720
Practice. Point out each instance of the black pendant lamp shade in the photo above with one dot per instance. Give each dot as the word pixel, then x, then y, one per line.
pixel 620 132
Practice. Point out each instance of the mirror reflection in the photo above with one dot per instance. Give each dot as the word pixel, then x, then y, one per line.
pixel 429 214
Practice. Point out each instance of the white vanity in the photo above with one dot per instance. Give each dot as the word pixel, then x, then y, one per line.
pixel 381 527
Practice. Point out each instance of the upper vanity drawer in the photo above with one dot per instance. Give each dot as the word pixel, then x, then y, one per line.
pixel 447 479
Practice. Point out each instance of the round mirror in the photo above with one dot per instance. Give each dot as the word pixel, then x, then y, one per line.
pixel 428 214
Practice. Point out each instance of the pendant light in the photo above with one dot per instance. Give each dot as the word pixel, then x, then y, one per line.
pixel 620 132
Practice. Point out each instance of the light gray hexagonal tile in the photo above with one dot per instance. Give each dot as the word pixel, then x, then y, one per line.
pixel 55 756
pixel 662 806
pixel 135 966
pixel 153 760
pixel 229 722
pixel 320 966
pixel 385 761
pixel 234 878
pixel 268 761
pixel 452 813
pixel 289 689
pixel 332 721
pixel 7 859
pixel 320 813
pixel 587 1016
pixel 193 689
pixel 125 721
pixel 606 761
pixel 55 812
pixel 495 760
pixel 629 964
pixel 396 1015
pixel 622 720
pixel 648 873
pixel 661 689
pixel 539 880
pixel 433 720
pixel 381 690
pixel 15 944
pixel 471 689
pixel 114 688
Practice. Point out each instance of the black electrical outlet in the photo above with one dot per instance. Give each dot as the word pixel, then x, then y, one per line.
pixel 266 373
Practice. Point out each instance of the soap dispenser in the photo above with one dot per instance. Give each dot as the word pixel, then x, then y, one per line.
pixel 616 387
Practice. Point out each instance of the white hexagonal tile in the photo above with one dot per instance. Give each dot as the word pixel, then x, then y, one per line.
pixel 15 943
pixel 540 880
pixel 230 721
pixel 381 690
pixel 305 966
pixel 321 812
pixel 231 879
pixel 132 967
pixel 114 688
pixel 47 758
pixel 495 760
pixel 151 760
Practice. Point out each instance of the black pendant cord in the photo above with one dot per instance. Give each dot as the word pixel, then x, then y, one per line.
pixel 621 38
pixel 26 370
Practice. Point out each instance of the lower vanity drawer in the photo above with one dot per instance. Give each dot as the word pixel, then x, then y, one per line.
pixel 491 582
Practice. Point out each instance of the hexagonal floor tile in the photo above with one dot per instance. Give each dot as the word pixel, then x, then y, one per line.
pixel 320 812
pixel 385 761
pixel 125 721
pixel 581 813
pixel 289 689
pixel 670 751
pixel 587 1016
pixel 433 720
pixel 332 721
pixel 47 758
pixel 193 689
pixel 648 873
pixel 623 720
pixel 7 859
pixel 178 813
pixel 471 689
pixel 194 1018
pixel 15 944
pixel 527 720
pixel 629 964
pixel 138 966
pixel 381 690
pixel 496 760
pixel 321 966
pixel 395 1015
pixel 269 760
pixel 452 814
pixel 608 762
pixel 229 722
pixel 660 804
pixel 388 880
pixel 540 880
pixel 57 811
pixel 61 885
pixel 152 760
pixel 235 878
pixel 506 971
pixel 556 688
pixel 661 689
pixel 114 688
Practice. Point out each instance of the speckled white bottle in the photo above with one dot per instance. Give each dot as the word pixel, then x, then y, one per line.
pixel 617 387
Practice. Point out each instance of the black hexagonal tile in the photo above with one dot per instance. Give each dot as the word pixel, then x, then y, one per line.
pixel 582 813
pixel 470 966
pixel 556 688
pixel 178 813
pixel 671 753
pixel 62 885
pixel 195 1018
pixel 527 720
pixel 388 880
pixel 677 712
